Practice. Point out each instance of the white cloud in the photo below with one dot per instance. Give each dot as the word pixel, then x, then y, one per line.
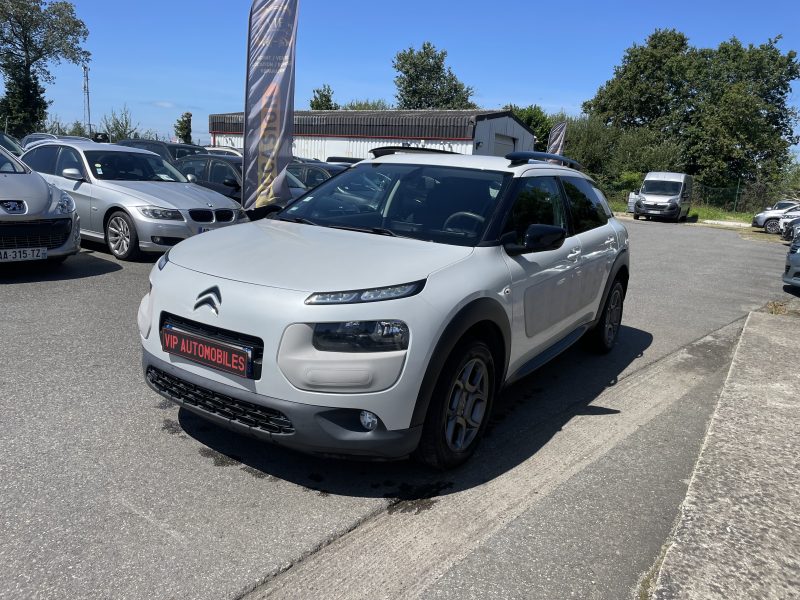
pixel 163 104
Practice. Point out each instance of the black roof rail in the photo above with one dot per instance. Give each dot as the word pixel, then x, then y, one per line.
pixel 521 158
pixel 386 150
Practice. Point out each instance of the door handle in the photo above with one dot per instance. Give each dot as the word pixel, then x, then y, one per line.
pixel 610 240
pixel 94 208
pixel 574 254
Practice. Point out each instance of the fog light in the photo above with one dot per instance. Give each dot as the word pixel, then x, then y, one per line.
pixel 368 420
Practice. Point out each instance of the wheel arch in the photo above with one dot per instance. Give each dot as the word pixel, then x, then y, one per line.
pixel 484 319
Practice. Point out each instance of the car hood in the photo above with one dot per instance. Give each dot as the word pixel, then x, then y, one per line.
pixel 170 194
pixel 311 258
pixel 30 187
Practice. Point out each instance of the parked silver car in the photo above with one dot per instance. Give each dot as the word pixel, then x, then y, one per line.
pixel 131 199
pixel 791 273
pixel 770 218
pixel 37 220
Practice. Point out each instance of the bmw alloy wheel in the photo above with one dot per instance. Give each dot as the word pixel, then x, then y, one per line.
pixel 119 235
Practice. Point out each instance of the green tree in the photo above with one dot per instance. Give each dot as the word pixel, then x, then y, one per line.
pixel 537 121
pixel 23 106
pixel 367 104
pixel 33 35
pixel 322 99
pixel 119 126
pixel 726 108
pixel 183 128
pixel 425 82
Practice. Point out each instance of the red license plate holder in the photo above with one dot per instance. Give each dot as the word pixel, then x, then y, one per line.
pixel 223 356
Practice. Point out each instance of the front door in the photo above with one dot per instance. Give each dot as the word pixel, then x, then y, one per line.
pixel 81 191
pixel 542 282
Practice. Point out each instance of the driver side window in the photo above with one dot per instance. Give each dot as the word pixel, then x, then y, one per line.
pixel 538 202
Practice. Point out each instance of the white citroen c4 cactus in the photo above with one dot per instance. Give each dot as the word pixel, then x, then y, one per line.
pixel 381 313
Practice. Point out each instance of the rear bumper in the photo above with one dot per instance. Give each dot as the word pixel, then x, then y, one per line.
pixel 311 429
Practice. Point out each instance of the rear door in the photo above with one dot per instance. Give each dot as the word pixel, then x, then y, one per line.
pixel 543 283
pixel 598 242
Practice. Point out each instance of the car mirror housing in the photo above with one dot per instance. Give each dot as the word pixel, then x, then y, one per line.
pixel 191 178
pixel 231 182
pixel 538 238
pixel 73 174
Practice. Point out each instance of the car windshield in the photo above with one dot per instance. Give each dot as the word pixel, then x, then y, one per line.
pixel 8 164
pixel 131 166
pixel 440 204
pixel 661 188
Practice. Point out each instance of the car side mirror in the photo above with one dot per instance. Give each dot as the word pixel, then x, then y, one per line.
pixel 191 178
pixel 230 182
pixel 73 174
pixel 538 238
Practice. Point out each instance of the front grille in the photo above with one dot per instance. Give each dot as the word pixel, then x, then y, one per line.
pixel 201 215
pixel 246 413
pixel 218 334
pixel 50 234
pixel 224 215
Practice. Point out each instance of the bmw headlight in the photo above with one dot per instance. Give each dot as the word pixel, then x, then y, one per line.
pixel 361 336
pixel 368 295
pixel 167 214
pixel 66 205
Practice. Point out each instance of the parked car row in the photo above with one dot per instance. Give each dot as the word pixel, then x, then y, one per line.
pixel 770 217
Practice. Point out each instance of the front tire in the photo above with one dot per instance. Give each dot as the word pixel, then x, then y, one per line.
pixel 121 236
pixel 635 217
pixel 460 407
pixel 772 226
pixel 603 337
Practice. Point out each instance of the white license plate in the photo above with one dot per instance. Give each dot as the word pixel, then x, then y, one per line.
pixel 23 254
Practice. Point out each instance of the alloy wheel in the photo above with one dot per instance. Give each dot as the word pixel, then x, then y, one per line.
pixel 119 235
pixel 613 316
pixel 467 404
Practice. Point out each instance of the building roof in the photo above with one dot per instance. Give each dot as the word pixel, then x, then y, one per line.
pixel 411 124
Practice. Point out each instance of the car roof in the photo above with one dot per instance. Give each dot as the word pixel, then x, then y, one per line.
pixel 469 161
pixel 665 176
pixel 89 145
pixel 223 157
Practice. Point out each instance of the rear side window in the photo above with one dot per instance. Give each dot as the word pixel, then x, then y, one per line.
pixel 42 160
pixel 587 212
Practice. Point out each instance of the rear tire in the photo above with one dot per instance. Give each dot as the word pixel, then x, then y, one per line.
pixel 603 337
pixel 121 237
pixel 460 407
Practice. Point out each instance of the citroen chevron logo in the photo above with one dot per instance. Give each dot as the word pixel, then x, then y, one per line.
pixel 211 298
pixel 13 207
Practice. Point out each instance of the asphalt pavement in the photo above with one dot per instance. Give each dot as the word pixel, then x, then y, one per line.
pixel 108 491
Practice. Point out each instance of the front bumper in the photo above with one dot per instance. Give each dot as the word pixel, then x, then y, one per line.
pixel 60 235
pixel 669 211
pixel 304 427
pixel 157 235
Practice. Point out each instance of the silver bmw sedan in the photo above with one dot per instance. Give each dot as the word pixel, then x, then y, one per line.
pixel 131 199
pixel 37 220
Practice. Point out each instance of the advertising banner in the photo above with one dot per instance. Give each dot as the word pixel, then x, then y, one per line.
pixel 555 141
pixel 269 102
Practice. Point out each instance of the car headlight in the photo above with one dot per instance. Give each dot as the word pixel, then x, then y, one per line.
pixel 168 214
pixel 361 336
pixel 369 295
pixel 66 204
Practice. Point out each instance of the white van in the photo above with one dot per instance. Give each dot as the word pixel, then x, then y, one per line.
pixel 667 195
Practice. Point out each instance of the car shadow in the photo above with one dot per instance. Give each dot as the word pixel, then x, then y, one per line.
pixel 526 415
pixel 78 266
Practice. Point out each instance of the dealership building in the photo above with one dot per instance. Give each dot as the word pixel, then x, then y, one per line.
pixel 353 133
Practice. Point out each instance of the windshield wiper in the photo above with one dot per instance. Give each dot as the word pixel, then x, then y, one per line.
pixel 375 230
pixel 300 220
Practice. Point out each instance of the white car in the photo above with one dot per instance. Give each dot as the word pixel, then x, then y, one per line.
pixel 381 313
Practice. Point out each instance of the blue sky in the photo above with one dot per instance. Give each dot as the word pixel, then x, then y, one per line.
pixel 161 58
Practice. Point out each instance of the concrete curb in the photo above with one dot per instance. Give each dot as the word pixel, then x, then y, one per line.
pixel 738 535
pixel 715 223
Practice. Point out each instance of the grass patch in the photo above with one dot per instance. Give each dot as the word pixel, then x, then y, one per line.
pixel 699 213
